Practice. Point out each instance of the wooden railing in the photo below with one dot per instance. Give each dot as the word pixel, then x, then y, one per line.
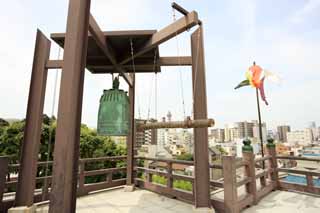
pixel 145 180
pixel 310 176
pixel 42 193
pixel 244 181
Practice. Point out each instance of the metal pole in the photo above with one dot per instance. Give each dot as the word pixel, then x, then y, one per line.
pixel 260 125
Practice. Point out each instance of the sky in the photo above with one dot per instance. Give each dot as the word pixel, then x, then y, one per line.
pixel 281 36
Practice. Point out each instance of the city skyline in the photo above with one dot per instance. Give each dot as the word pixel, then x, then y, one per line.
pixel 290 29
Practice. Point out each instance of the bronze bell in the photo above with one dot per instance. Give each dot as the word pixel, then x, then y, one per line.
pixel 113 116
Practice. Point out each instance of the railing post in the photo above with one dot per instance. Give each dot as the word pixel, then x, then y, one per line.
pixel 273 165
pixel 81 177
pixel 248 157
pixel 149 177
pixel 230 184
pixel 169 175
pixel 3 175
pixel 109 177
pixel 309 181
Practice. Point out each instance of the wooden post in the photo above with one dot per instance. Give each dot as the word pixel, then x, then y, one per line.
pixel 230 184
pixel 131 139
pixel 309 181
pixel 169 175
pixel 82 177
pixel 273 165
pixel 251 187
pixel 201 153
pixel 149 177
pixel 3 175
pixel 32 131
pixel 66 151
pixel 109 177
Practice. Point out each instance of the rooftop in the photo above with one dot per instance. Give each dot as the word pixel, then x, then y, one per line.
pixel 143 201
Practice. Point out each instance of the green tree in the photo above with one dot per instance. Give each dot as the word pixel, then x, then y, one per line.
pixel 186 156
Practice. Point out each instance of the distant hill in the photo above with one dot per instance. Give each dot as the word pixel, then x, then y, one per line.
pixel 11 120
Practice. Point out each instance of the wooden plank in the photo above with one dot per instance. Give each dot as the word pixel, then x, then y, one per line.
pixel 66 150
pixel 32 132
pixel 54 64
pixel 165 34
pixel 98 36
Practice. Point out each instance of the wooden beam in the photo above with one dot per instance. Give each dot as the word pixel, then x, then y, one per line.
pixel 66 149
pixel 32 131
pixel 179 9
pixel 201 155
pixel 179 26
pixel 163 61
pixel 175 61
pixel 99 37
pixel 54 64
pixel 177 124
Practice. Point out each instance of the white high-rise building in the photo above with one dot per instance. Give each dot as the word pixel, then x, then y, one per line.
pixel 303 137
pixel 315 131
pixel 256 132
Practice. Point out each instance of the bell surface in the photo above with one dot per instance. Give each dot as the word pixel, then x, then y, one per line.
pixel 113 117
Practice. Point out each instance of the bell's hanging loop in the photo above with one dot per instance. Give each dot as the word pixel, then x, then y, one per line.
pixel 113 116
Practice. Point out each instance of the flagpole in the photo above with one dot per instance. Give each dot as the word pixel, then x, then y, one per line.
pixel 260 125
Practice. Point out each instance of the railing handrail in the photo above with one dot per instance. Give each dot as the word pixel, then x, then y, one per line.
pixel 40 163
pixel 174 161
pixel 299 171
pixel 297 158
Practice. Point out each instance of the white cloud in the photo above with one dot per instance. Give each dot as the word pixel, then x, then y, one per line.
pixel 309 7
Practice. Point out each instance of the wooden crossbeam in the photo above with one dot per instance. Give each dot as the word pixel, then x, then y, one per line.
pixel 163 61
pixel 98 36
pixel 200 123
pixel 54 64
pixel 179 26
pixel 175 61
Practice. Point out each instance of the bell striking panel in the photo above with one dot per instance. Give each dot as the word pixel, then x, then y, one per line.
pixel 113 117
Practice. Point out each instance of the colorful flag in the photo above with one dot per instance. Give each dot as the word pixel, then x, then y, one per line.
pixel 255 77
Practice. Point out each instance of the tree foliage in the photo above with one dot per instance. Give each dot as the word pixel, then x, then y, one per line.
pixel 91 145
pixel 186 156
